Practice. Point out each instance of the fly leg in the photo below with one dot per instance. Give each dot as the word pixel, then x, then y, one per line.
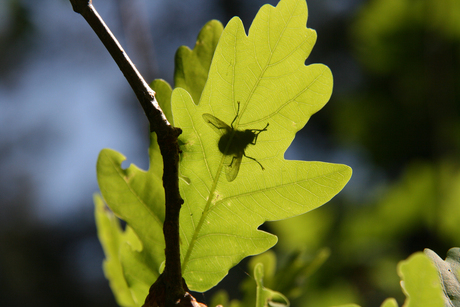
pixel 237 112
pixel 244 154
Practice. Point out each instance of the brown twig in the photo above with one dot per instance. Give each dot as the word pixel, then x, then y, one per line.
pixel 171 279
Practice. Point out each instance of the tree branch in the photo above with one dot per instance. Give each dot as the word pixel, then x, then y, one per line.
pixel 171 280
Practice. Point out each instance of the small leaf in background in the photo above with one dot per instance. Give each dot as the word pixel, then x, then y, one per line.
pixel 290 276
pixel 111 237
pixel 389 302
pixel 192 66
pixel 449 274
pixel 420 282
pixel 266 297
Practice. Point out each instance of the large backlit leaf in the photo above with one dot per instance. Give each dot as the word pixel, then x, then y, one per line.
pixel 265 72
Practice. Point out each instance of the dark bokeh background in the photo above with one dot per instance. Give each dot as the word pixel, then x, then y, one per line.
pixel 393 117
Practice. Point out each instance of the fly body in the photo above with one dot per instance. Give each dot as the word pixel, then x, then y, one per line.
pixel 233 142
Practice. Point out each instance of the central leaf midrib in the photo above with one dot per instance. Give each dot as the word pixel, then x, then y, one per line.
pixel 219 170
pixel 203 215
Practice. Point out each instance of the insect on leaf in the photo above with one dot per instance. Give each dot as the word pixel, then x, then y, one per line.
pixel 232 143
pixel 227 193
pixel 254 80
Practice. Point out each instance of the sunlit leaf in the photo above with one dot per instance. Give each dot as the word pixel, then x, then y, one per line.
pixel 163 95
pixel 137 197
pixel 112 237
pixel 449 274
pixel 265 72
pixel 192 66
pixel 420 282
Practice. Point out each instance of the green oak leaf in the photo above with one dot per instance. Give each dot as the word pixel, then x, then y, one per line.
pixel 449 274
pixel 192 66
pixel 420 282
pixel 163 95
pixel 266 74
pixel 112 237
pixel 136 196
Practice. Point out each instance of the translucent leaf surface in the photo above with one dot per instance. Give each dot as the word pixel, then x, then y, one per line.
pixel 112 237
pixel 137 196
pixel 265 72
pixel 192 66
pixel 420 282
pixel 449 274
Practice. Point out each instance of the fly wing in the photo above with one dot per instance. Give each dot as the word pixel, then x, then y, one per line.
pixel 216 124
pixel 233 166
pixel 233 161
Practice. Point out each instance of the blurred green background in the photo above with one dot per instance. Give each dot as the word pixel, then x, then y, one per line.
pixel 394 117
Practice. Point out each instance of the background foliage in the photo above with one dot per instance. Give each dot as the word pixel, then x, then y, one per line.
pixel 393 117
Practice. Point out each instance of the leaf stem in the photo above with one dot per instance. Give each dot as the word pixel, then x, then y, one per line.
pixel 171 281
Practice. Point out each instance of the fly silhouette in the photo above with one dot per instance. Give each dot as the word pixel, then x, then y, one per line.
pixel 233 142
